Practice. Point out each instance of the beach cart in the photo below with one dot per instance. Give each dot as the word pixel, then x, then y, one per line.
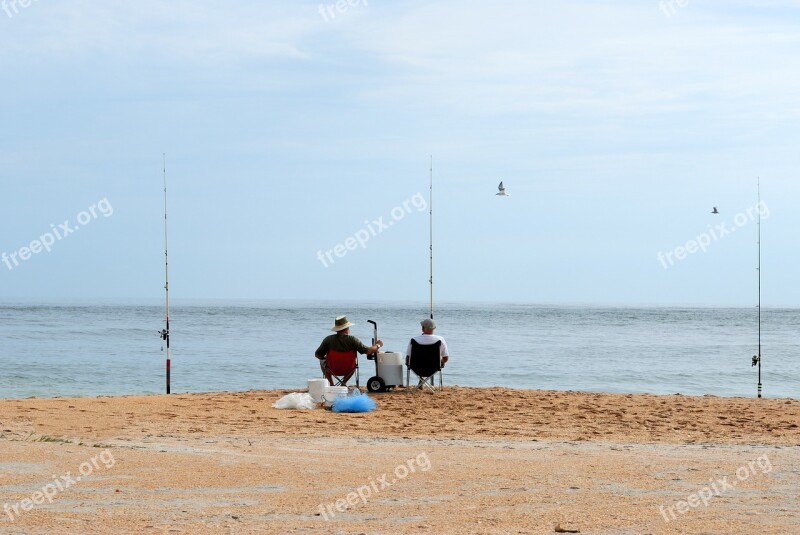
pixel 388 367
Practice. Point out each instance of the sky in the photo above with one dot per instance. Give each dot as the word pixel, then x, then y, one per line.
pixel 299 136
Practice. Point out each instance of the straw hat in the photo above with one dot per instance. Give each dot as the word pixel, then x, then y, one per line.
pixel 341 324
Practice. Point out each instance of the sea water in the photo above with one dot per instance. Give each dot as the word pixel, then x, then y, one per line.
pixel 110 349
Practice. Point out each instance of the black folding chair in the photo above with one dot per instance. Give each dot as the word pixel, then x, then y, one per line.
pixel 425 361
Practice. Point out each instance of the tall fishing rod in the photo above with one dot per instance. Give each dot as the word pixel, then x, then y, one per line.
pixel 165 332
pixel 430 224
pixel 757 358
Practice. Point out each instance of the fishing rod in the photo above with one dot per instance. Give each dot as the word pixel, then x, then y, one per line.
pixel 165 332
pixel 757 358
pixel 430 224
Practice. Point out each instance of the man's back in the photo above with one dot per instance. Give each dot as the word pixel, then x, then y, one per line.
pixel 429 339
pixel 340 342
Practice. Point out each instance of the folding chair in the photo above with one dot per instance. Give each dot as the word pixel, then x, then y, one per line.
pixel 342 365
pixel 425 361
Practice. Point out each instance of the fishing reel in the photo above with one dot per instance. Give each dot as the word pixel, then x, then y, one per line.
pixel 164 335
pixel 756 360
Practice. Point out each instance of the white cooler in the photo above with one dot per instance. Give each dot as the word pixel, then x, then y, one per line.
pixel 390 368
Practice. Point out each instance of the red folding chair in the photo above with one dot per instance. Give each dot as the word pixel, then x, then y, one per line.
pixel 342 366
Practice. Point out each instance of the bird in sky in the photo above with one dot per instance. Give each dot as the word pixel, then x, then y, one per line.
pixel 714 211
pixel 501 190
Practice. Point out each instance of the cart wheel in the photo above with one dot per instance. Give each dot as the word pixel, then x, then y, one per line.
pixel 376 384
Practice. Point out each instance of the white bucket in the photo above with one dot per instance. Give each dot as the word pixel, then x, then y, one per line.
pixel 330 393
pixel 315 388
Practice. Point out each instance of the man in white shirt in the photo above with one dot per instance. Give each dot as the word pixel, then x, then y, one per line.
pixel 428 338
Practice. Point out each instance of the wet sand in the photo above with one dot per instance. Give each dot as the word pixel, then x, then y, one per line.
pixel 465 460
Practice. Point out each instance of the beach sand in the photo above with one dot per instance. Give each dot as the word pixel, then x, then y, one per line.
pixel 465 460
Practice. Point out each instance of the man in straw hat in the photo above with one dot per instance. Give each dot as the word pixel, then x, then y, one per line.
pixel 342 341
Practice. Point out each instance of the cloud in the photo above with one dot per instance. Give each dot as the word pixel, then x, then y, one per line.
pixel 609 59
pixel 178 30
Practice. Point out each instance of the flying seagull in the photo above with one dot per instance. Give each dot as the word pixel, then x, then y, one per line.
pixel 715 211
pixel 501 190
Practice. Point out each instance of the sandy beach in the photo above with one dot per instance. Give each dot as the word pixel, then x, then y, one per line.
pixel 465 460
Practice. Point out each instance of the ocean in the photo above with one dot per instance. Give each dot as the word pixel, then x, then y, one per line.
pixel 95 349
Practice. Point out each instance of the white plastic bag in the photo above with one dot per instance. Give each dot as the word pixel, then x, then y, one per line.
pixel 295 401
